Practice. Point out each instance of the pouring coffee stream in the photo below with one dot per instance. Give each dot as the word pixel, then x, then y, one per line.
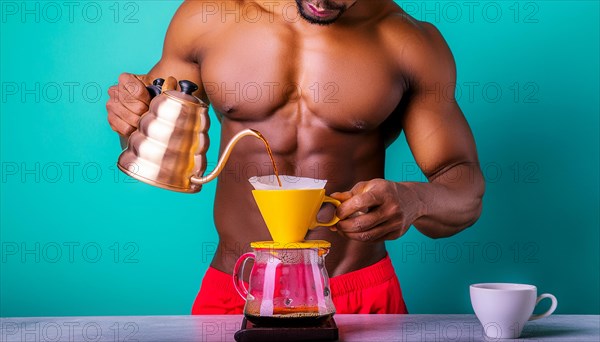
pixel 168 149
pixel 270 152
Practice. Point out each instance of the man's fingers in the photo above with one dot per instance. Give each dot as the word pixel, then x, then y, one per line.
pixel 133 88
pixel 341 196
pixel 357 203
pixel 133 119
pixel 362 187
pixel 115 106
pixel 129 101
pixel 360 223
pixel 357 189
pixel 371 213
pixel 120 126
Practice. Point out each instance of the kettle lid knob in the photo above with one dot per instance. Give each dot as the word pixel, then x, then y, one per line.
pixel 156 88
pixel 188 87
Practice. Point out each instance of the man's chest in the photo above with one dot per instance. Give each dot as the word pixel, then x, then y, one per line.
pixel 256 72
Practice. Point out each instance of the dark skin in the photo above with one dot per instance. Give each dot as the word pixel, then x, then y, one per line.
pixel 330 92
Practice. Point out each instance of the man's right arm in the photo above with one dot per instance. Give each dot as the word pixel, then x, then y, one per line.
pixel 129 99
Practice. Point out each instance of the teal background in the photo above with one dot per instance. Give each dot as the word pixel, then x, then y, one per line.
pixel 93 242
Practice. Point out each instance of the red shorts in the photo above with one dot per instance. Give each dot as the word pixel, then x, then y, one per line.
pixel 373 289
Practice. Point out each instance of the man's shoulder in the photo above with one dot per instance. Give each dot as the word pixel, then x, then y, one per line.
pixel 401 29
pixel 414 44
pixel 195 20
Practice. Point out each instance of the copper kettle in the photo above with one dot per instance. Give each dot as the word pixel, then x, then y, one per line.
pixel 168 149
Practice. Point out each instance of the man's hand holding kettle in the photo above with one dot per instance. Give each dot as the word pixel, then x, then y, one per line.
pixel 129 100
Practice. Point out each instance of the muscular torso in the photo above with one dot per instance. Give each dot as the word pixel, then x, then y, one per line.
pixel 326 98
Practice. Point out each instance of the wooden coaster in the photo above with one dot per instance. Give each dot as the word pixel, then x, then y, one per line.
pixel 327 331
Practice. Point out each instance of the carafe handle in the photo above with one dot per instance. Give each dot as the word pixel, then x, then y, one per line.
pixel 238 271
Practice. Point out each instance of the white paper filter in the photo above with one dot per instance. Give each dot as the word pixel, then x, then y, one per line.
pixel 269 182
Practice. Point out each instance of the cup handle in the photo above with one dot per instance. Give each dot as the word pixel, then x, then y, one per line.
pixel 238 271
pixel 335 219
pixel 550 311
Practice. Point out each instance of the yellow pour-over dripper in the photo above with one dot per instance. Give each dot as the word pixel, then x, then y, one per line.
pixel 290 214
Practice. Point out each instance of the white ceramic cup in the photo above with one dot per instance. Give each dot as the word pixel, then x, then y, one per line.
pixel 503 309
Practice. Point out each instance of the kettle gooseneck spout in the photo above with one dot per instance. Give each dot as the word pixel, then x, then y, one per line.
pixel 228 149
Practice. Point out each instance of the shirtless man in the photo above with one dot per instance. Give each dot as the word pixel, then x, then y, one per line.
pixel 330 89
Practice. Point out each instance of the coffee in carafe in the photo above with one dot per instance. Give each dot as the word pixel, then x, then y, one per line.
pixel 303 318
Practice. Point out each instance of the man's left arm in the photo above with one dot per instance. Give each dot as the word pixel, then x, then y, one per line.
pixel 443 147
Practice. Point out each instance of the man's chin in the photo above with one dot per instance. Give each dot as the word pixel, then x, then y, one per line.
pixel 313 19
pixel 318 21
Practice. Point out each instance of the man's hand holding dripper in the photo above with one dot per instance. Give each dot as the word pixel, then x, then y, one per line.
pixel 377 210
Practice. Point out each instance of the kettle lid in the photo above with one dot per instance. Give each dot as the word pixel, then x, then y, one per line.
pixel 187 89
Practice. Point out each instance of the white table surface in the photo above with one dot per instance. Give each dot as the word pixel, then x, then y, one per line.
pixel 563 328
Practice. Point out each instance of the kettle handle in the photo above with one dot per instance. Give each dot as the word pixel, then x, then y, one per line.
pixel 238 271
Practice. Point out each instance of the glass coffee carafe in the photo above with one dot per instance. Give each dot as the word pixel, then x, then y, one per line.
pixel 288 284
